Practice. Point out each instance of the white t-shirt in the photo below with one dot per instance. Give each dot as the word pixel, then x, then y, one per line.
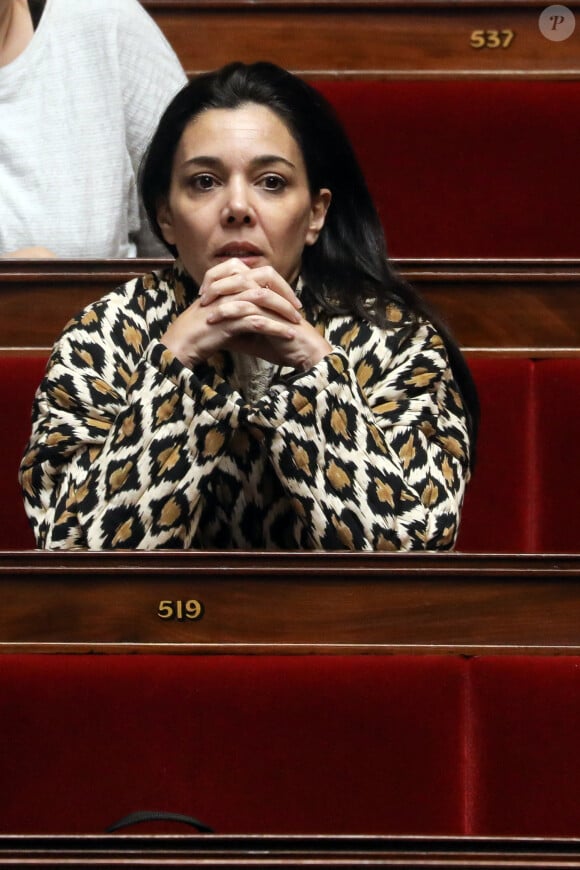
pixel 77 110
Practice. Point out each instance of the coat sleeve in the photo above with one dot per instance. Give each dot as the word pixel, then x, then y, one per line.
pixel 122 445
pixel 372 445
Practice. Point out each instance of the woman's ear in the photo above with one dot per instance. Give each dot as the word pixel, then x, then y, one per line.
pixel 165 221
pixel 319 208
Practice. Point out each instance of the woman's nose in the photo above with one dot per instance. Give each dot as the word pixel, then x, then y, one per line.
pixel 238 208
pixel 238 218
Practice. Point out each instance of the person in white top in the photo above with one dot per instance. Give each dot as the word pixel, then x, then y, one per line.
pixel 82 87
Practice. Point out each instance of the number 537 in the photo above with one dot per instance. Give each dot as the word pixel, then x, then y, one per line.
pixel 491 38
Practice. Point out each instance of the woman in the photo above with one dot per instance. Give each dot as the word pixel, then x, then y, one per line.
pixel 278 386
pixel 80 98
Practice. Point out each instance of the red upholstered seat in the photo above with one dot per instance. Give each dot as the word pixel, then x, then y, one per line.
pixel 292 744
pixel 525 765
pixel 468 168
pixel 19 378
pixel 557 444
pixel 297 744
pixel 497 515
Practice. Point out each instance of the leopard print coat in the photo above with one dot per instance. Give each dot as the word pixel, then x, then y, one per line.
pixel 368 450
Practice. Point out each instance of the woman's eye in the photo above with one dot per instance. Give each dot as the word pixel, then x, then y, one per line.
pixel 273 182
pixel 203 182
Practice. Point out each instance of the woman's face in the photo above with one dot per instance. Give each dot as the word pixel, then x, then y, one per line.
pixel 239 189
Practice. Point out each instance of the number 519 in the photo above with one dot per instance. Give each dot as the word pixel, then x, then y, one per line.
pixel 180 610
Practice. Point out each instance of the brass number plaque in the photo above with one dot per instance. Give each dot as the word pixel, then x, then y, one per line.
pixel 180 610
pixel 491 38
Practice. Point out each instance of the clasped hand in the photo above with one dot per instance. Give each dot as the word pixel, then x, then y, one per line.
pixel 253 311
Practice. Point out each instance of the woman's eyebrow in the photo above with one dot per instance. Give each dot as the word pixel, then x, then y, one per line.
pixel 257 162
pixel 268 159
pixel 202 160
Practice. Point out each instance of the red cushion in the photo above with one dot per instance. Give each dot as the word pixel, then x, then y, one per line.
pixel 557 443
pixel 525 765
pixel 497 514
pixel 19 378
pixel 306 744
pixel 468 168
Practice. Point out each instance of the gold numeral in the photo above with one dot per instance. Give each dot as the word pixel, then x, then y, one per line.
pixel 491 38
pixel 165 610
pixel 193 609
pixel 180 610
pixel 507 38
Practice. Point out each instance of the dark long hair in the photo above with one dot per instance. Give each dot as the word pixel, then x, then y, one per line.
pixel 347 270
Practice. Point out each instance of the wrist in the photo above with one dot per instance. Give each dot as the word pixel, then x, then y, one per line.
pixel 321 349
pixel 187 356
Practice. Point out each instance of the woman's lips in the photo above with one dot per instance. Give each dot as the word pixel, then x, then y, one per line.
pixel 240 251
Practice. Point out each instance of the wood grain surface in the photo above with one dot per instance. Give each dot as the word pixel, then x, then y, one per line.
pixel 528 306
pixel 290 603
pixel 383 38
pixel 213 851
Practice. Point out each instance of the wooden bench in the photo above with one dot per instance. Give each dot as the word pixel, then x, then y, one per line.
pixel 289 603
pixel 358 38
pixel 508 304
pixel 367 694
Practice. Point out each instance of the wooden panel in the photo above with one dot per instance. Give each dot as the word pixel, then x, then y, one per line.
pixel 530 306
pixel 392 39
pixel 289 603
pixel 287 852
pixel 38 297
